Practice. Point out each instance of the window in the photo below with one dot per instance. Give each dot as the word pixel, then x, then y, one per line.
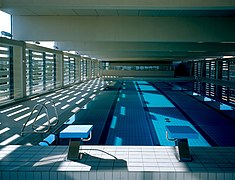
pixel 40 71
pixel 6 73
pixel 232 70
pixel 5 24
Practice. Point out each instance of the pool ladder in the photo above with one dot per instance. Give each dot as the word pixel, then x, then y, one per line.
pixel 44 128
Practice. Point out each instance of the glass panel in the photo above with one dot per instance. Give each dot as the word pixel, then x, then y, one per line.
pixel 40 71
pixel 225 70
pixel 232 70
pixel 4 73
pixel 66 70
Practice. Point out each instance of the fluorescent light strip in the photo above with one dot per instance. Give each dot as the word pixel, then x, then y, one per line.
pixel 16 112
pixel 12 138
pixel 64 107
pixel 6 110
pixel 75 110
pixel 78 102
pixel 63 98
pixel 57 96
pixel 4 130
pixel 84 95
pixel 71 99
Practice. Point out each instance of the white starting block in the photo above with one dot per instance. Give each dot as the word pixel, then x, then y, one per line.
pixel 181 134
pixel 77 134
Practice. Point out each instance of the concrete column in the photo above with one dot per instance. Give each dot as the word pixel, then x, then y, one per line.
pixel 19 72
pixel 59 70
pixel 77 69
pixel 88 69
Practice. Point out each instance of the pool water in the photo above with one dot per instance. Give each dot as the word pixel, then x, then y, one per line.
pixel 135 113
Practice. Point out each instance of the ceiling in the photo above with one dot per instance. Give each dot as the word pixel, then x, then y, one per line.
pixel 134 49
pixel 117 12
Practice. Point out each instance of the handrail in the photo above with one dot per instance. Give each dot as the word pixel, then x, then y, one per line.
pixel 36 126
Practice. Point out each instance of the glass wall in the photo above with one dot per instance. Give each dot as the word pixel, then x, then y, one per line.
pixel 40 71
pixel 83 69
pixel 69 70
pixel 6 70
pixel 28 69
pixel 218 78
pixel 223 69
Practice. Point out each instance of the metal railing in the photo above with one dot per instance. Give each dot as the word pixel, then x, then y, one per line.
pixel 41 128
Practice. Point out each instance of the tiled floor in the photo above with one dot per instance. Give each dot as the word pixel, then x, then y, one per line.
pixel 116 162
pixel 67 101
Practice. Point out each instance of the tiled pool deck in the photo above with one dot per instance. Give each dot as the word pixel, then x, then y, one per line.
pixel 116 163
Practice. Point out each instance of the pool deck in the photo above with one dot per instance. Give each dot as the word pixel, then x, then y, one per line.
pixel 68 101
pixel 116 163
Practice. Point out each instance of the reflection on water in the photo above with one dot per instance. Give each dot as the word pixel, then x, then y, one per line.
pixel 217 96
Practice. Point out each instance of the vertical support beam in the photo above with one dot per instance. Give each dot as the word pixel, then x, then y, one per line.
pixel 54 68
pixel 30 72
pixel 77 69
pixel 19 70
pixel 23 71
pixel 81 68
pixel 69 69
pixel 59 71
pixel 87 69
pixel 11 73
pixel 219 64
pixel 203 68
pixel 74 69
pixel 84 69
pixel 100 68
pixel 44 70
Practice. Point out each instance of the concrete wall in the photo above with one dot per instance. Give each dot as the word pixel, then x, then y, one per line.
pixel 114 28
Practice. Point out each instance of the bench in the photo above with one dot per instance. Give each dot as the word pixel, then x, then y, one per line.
pixel 181 134
pixel 77 134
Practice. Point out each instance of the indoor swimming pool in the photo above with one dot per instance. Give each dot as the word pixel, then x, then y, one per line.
pixel 137 113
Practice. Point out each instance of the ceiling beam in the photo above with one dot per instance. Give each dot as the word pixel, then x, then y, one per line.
pixel 119 4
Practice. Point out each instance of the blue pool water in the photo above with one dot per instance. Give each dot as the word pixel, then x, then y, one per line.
pixel 131 116
pixel 135 113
